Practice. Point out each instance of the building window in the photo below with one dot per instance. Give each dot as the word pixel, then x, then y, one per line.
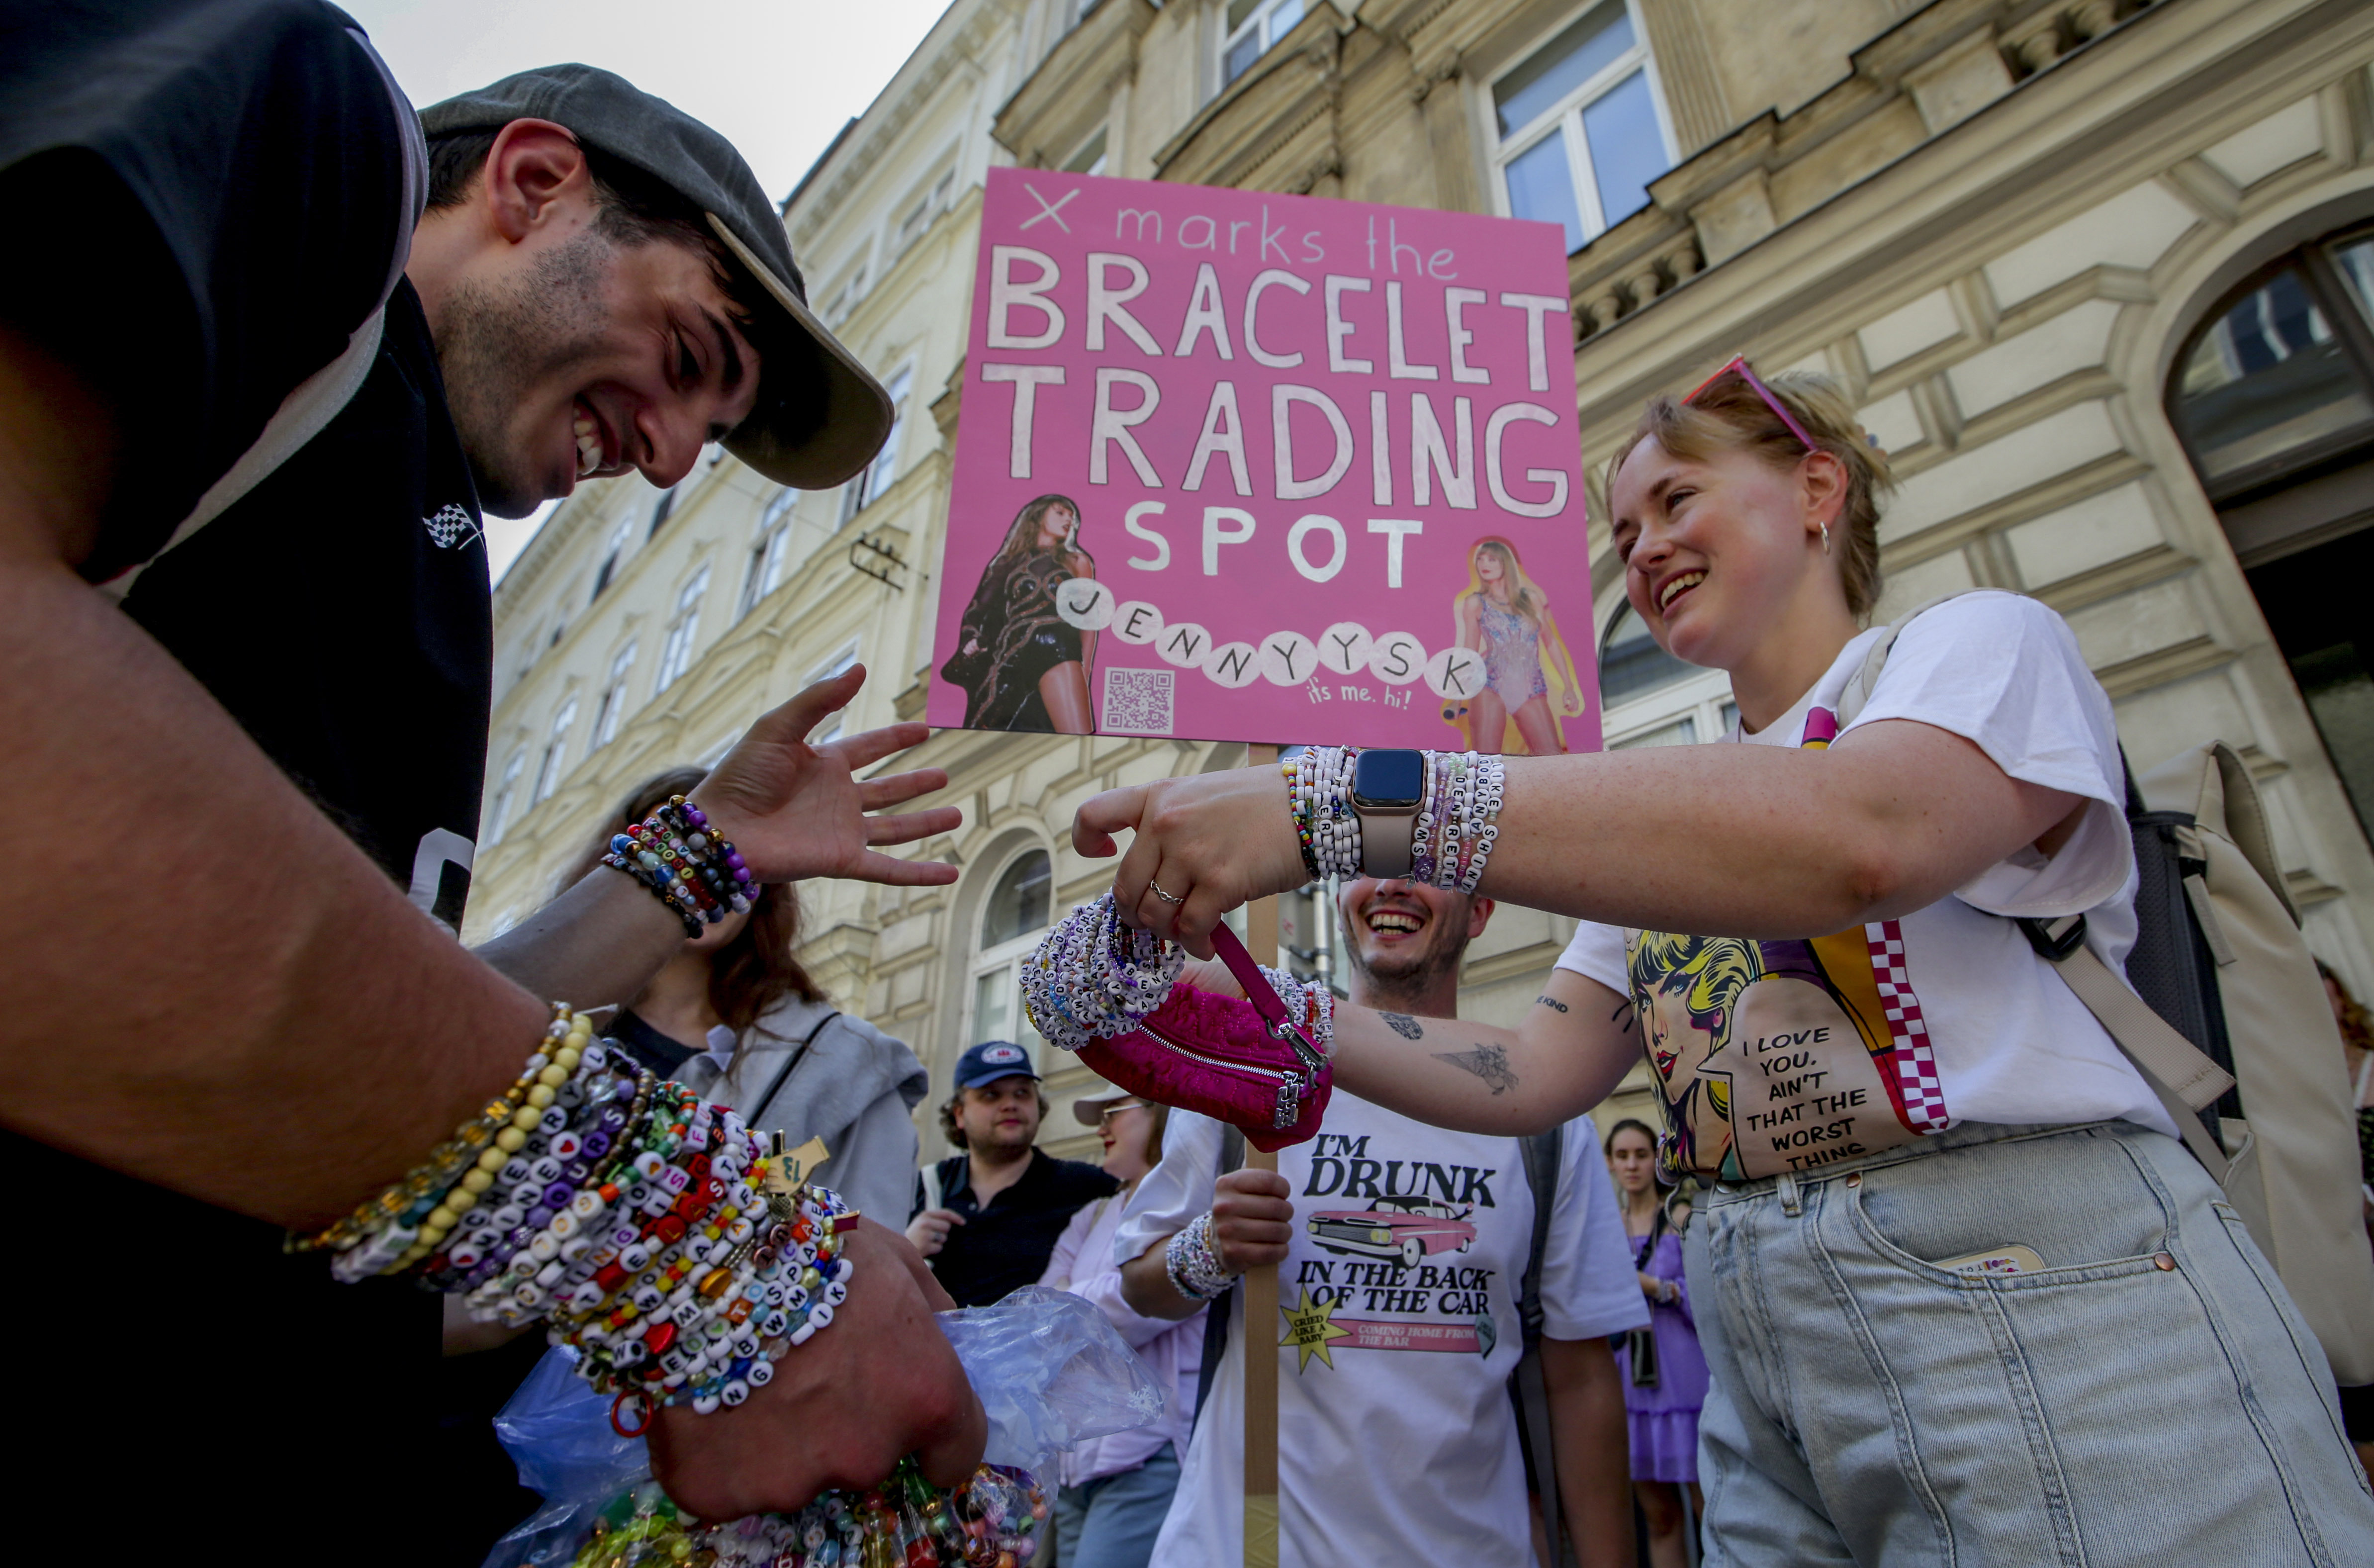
pixel 2274 398
pixel 1017 910
pixel 1253 27
pixel 660 510
pixel 831 729
pixel 499 816
pixel 769 546
pixel 556 753
pixel 1647 697
pixel 675 653
pixel 609 570
pixel 614 699
pixel 927 206
pixel 1090 159
pixel 866 488
pixel 1578 129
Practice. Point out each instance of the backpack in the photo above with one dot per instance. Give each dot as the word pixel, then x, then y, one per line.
pixel 2222 1013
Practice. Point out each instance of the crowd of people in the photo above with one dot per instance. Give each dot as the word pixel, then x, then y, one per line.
pixel 1956 1281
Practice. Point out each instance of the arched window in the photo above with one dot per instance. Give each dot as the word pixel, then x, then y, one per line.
pixel 2274 398
pixel 1019 905
pixel 1647 697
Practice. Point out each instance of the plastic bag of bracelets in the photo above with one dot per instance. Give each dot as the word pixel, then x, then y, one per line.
pixel 1050 1371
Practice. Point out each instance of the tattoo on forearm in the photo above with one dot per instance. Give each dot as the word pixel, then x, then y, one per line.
pixel 1549 1002
pixel 1489 1062
pixel 1403 1025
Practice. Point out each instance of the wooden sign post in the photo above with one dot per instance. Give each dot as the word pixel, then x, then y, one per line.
pixel 1259 1289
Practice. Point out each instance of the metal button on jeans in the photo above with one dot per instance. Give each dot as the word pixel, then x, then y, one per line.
pixel 2163 1261
pixel 1854 1179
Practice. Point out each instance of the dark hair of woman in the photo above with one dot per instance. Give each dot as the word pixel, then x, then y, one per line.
pixel 752 974
pixel 1633 1123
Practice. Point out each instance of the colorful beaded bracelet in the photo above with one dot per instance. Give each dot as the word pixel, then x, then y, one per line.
pixel 696 873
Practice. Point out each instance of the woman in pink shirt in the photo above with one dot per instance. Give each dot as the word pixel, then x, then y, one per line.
pixel 1116 1489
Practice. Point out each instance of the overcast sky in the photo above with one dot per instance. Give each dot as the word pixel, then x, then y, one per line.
pixel 779 77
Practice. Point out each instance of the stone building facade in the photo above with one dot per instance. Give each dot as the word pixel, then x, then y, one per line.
pixel 2093 272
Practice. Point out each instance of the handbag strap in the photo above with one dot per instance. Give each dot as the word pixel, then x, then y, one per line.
pixel 1258 990
pixel 759 1108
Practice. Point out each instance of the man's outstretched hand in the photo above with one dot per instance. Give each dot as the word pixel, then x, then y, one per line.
pixel 796 811
pixel 880 1382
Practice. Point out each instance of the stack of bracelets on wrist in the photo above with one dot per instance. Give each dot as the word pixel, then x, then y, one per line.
pixel 992 1520
pixel 1195 1269
pixel 649 1228
pixel 1093 978
pixel 1318 784
pixel 675 853
pixel 1457 820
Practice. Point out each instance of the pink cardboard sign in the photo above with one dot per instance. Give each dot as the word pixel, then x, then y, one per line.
pixel 1244 466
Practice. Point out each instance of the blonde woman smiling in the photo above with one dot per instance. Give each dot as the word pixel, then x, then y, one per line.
pixel 1963 1295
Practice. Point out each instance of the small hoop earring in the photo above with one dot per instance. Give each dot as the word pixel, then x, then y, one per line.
pixel 1826 538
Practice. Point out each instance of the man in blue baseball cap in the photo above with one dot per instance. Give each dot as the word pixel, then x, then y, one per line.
pixel 988 1218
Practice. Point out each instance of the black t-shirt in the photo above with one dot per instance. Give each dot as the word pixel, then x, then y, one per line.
pixel 661 1053
pixel 205 197
pixel 1004 1246
pixel 241 171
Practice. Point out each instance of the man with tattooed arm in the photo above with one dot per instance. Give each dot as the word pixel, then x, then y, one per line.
pixel 1402 1250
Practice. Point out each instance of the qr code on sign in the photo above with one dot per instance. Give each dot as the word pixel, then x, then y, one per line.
pixel 1137 702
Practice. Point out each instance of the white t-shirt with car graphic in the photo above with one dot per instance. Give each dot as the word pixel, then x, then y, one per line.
pixel 1398 1330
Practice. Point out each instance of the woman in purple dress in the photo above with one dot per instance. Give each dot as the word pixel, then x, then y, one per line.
pixel 1664 1373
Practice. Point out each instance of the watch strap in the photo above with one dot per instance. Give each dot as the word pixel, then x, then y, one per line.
pixel 1386 842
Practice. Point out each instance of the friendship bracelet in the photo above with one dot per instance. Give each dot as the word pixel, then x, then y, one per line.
pixel 694 872
pixel 648 1228
pixel 1319 791
pixel 992 1520
pixel 1195 1270
pixel 1093 978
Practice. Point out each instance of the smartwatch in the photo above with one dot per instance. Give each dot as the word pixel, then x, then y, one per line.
pixel 1387 789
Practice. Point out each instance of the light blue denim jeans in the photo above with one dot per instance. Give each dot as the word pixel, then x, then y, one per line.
pixel 1111 1522
pixel 2150 1397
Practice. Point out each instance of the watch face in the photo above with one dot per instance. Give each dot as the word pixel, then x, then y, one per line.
pixel 1389 779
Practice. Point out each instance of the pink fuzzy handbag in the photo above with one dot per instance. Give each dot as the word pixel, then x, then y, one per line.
pixel 1247 1062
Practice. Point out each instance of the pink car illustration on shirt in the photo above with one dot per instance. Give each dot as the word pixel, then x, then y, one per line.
pixel 1409 1229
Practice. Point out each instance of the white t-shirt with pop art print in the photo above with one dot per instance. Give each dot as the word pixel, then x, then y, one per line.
pixel 1786 1056
pixel 1397 1332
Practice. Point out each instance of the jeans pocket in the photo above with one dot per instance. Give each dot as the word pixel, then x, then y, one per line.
pixel 2078 1203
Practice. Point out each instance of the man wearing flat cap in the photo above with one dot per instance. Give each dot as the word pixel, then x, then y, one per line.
pixel 267 356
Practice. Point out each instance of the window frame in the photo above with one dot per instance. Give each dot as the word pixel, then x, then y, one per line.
pixel 1564 119
pixel 769 546
pixel 675 650
pixel 498 817
pixel 1703 697
pixel 880 475
pixel 555 765
pixel 612 706
pixel 1262 11
pixel 607 572
pixel 1009 956
pixel 2352 330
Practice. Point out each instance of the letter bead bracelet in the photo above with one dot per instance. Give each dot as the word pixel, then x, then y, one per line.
pixel 1194 1266
pixel 647 1228
pixel 1457 820
pixel 675 853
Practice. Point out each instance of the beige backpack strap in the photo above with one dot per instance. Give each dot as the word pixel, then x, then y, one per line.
pixel 2180 1073
pixel 1858 689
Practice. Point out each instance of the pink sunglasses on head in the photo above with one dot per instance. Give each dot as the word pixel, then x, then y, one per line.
pixel 1739 363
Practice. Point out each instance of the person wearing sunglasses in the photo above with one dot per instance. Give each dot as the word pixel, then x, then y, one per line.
pixel 1964 1296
